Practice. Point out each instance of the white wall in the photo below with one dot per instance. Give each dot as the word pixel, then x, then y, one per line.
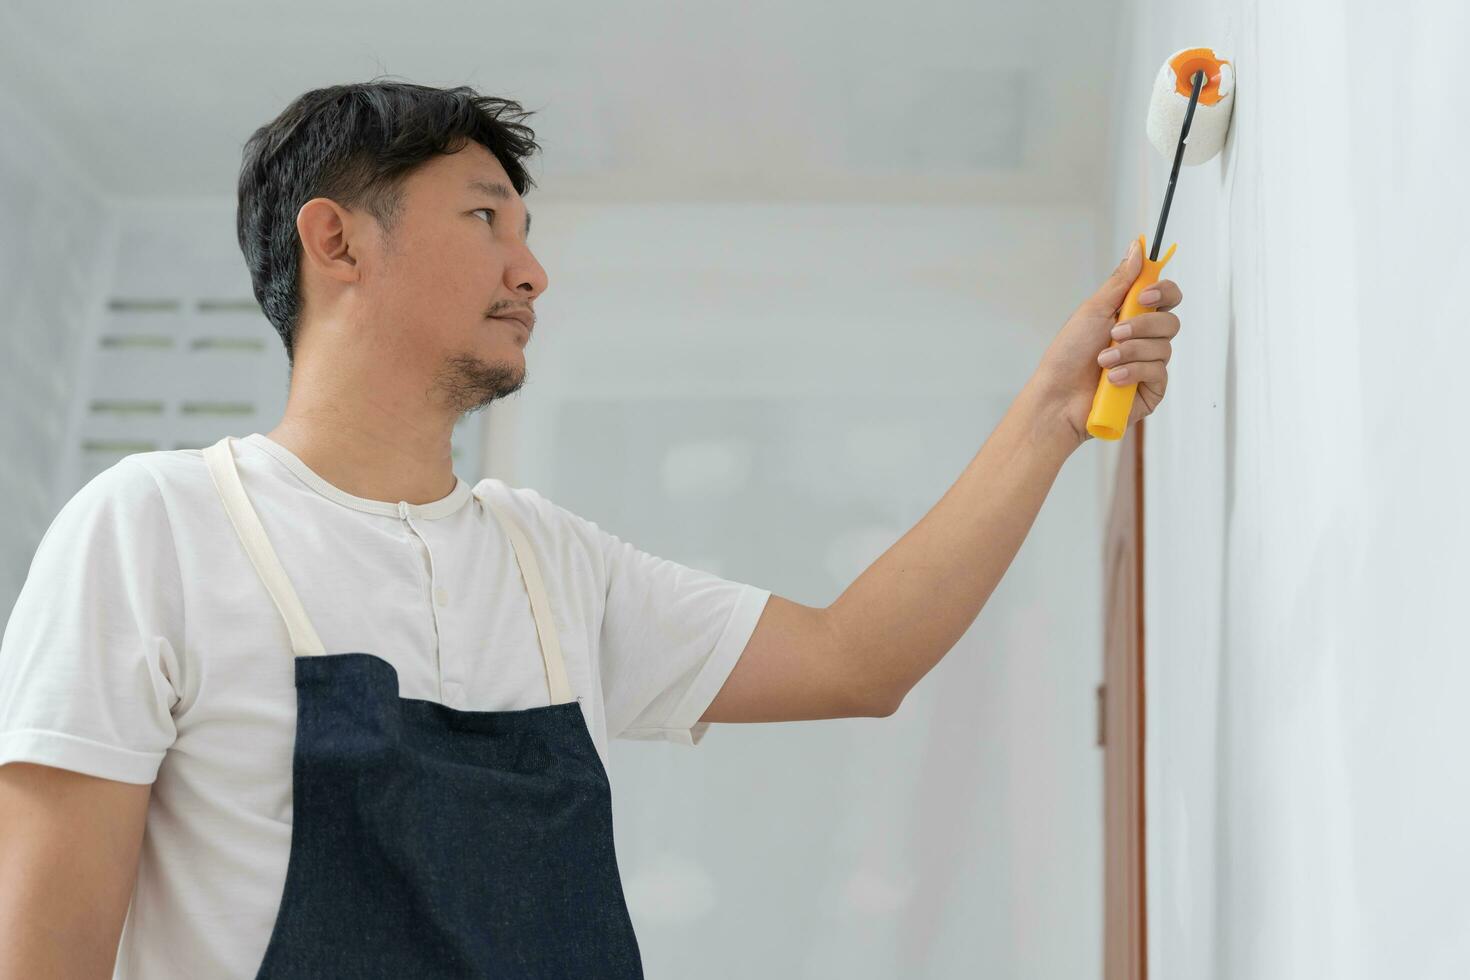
pixel 776 393
pixel 54 253
pixel 1306 484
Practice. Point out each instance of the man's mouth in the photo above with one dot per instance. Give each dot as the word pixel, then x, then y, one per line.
pixel 512 321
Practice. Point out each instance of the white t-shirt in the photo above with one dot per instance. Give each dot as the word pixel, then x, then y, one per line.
pixel 144 648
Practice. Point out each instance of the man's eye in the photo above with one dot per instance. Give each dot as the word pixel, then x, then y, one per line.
pixel 486 211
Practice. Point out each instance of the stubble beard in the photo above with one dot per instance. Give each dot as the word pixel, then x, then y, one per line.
pixel 469 383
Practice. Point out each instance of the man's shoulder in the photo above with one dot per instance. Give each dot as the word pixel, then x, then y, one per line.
pixel 174 475
pixel 528 507
pixel 544 520
pixel 117 518
pixel 169 466
pixel 140 489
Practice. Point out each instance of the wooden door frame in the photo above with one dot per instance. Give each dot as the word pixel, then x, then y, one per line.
pixel 1121 723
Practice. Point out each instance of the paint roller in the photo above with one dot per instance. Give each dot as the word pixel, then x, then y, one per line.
pixel 1188 118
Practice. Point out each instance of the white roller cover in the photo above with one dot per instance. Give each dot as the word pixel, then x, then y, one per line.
pixel 1166 116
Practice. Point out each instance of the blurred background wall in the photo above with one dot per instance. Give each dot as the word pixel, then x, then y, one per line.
pixel 55 258
pixel 801 256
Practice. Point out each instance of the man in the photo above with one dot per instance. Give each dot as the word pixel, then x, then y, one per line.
pixel 306 704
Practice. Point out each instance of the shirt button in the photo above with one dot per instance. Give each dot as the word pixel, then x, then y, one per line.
pixel 441 597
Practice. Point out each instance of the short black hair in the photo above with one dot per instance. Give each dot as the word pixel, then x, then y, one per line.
pixel 355 144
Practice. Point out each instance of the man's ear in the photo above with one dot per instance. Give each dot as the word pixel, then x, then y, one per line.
pixel 326 230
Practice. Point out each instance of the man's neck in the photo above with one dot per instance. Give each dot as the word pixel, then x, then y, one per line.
pixel 374 458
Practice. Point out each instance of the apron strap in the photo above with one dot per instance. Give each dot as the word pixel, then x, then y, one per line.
pixel 556 673
pixel 221 460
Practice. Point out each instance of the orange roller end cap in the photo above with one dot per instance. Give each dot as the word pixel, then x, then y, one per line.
pixel 1186 63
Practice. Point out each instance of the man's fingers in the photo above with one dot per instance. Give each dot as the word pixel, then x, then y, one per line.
pixel 1110 295
pixel 1151 325
pixel 1168 295
pixel 1133 351
pixel 1153 373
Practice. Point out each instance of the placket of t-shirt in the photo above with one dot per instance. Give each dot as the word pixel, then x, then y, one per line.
pixel 451 691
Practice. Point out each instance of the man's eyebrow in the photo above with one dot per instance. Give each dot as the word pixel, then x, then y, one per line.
pixel 496 189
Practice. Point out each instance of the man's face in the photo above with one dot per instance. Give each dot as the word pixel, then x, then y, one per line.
pixel 457 253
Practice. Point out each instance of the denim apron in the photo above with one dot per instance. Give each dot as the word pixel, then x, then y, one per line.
pixel 430 842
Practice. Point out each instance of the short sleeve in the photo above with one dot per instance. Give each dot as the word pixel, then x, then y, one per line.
pixel 92 644
pixel 670 636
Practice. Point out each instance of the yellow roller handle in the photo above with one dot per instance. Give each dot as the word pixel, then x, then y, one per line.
pixel 1112 403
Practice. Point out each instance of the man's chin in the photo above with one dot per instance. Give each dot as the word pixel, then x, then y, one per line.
pixel 469 382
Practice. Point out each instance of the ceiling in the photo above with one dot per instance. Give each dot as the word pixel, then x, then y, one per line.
pixel 940 100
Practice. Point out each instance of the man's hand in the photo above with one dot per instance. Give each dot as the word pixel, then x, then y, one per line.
pixel 1069 371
